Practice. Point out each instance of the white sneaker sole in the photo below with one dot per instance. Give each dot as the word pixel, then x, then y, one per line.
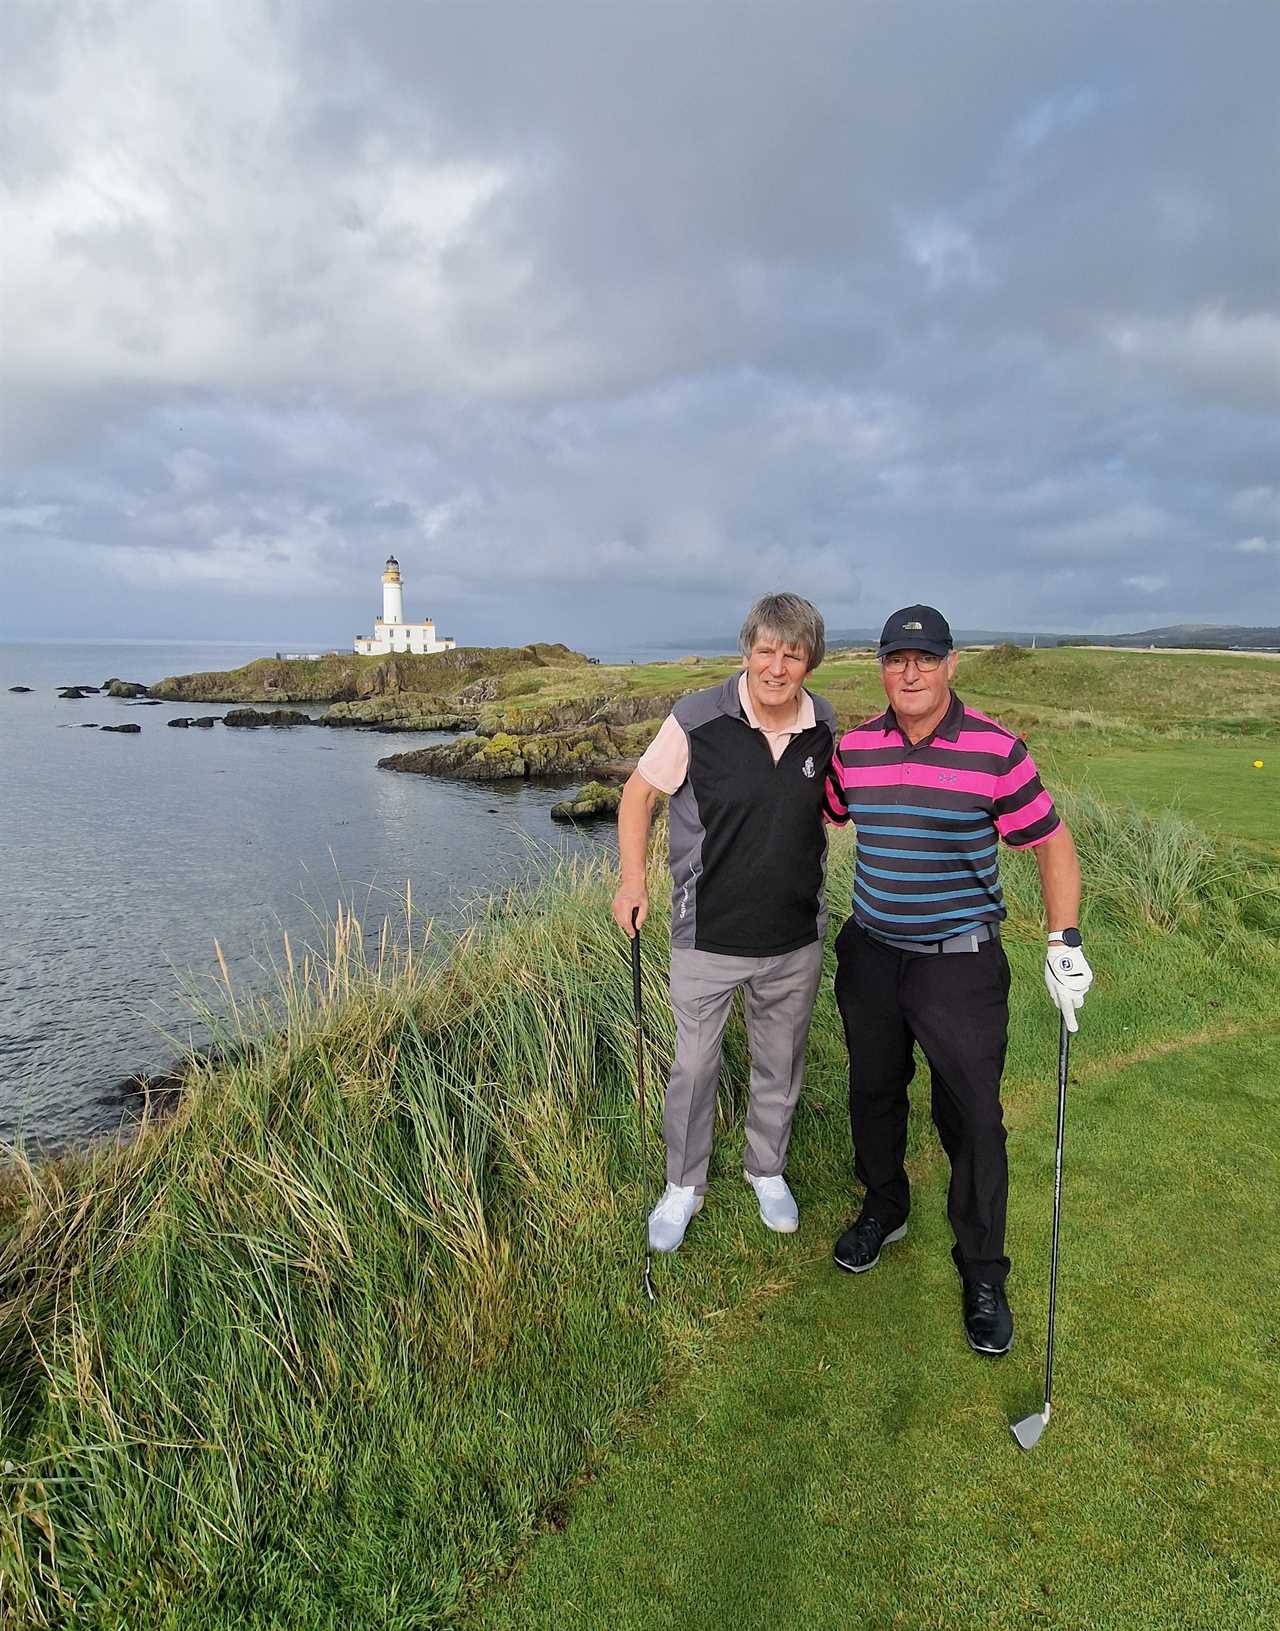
pixel 778 1228
pixel 676 1245
pixel 988 1353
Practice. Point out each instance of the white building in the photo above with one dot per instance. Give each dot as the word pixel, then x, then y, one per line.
pixel 390 631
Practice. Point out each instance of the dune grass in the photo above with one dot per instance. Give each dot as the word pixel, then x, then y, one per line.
pixel 330 1346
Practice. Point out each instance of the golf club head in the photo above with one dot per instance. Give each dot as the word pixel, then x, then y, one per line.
pixel 648 1281
pixel 1027 1431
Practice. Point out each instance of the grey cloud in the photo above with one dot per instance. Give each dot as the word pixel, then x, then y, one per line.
pixel 606 315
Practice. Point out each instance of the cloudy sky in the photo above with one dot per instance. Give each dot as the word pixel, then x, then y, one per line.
pixel 606 316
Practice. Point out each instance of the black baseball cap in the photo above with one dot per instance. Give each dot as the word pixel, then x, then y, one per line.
pixel 916 628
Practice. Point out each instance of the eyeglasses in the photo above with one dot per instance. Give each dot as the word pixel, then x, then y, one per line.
pixel 926 662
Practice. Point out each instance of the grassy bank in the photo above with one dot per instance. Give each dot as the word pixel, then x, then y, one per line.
pixel 330 1347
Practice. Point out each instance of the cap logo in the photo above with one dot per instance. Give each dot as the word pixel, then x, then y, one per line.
pixel 913 628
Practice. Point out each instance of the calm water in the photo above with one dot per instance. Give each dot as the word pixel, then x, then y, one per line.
pixel 123 857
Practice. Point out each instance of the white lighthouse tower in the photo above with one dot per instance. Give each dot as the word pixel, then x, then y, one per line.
pixel 390 631
pixel 392 593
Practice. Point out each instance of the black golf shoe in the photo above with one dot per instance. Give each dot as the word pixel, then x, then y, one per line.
pixel 858 1248
pixel 988 1319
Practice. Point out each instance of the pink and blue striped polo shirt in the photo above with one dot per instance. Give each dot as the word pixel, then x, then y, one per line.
pixel 930 817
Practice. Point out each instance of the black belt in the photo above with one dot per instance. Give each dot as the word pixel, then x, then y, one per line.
pixel 957 942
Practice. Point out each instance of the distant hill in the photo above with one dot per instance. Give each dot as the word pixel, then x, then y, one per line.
pixel 1202 636
pixel 1198 636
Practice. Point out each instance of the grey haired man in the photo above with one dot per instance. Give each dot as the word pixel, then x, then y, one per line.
pixel 745 764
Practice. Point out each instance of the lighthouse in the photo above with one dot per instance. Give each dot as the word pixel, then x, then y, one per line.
pixel 392 592
pixel 391 633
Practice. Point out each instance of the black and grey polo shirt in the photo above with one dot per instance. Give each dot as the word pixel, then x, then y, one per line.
pixel 748 847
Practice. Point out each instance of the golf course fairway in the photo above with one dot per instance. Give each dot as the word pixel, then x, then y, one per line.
pixel 844 1459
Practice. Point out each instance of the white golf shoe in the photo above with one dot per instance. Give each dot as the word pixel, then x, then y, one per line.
pixel 778 1209
pixel 672 1216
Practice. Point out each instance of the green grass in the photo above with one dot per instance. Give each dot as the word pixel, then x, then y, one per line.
pixel 844 1460
pixel 1101 696
pixel 1213 783
pixel 1091 697
pixel 328 1348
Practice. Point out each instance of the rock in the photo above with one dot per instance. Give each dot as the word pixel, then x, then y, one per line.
pixel 77 693
pixel 124 688
pixel 149 702
pixel 206 721
pixel 124 730
pixel 615 709
pixel 22 689
pixel 595 799
pixel 401 712
pixel 87 727
pixel 485 690
pixel 503 756
pixel 253 718
pixel 161 1090
pixel 178 724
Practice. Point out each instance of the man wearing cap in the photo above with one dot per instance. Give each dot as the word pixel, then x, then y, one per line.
pixel 745 763
pixel 932 786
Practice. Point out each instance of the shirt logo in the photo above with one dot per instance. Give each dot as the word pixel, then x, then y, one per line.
pixel 913 628
pixel 808 769
pixel 948 778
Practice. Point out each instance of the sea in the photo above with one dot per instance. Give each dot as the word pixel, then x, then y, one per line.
pixel 123 858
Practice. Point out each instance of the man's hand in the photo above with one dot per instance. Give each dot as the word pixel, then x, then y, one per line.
pixel 630 898
pixel 1068 977
pixel 635 813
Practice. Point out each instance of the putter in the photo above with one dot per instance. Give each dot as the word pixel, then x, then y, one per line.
pixel 644 1120
pixel 1026 1432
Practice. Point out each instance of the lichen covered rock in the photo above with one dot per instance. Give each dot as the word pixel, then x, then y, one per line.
pixel 406 711
pixel 252 719
pixel 589 803
pixel 504 756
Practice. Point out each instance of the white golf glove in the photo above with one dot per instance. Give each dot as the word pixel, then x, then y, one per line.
pixel 1068 977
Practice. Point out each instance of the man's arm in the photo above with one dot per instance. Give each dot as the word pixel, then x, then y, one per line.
pixel 1067 974
pixel 1059 880
pixel 635 817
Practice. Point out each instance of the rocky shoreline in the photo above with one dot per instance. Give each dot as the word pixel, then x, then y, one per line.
pixel 524 712
pixel 536 712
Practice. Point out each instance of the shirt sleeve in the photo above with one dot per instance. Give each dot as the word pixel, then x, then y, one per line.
pixel 664 764
pixel 835 807
pixel 1024 812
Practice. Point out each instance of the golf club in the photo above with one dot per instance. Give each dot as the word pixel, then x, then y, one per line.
pixel 644 1119
pixel 1027 1430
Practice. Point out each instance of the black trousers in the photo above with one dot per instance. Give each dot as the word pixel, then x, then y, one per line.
pixel 956 1006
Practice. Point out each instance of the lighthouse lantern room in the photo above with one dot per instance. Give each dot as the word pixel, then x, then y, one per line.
pixel 390 631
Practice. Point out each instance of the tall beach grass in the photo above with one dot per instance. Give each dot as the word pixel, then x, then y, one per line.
pixel 327 1345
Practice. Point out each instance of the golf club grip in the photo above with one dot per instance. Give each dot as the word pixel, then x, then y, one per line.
pixel 635 959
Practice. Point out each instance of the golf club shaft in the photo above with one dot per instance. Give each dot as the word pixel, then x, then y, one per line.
pixel 637 993
pixel 1064 1050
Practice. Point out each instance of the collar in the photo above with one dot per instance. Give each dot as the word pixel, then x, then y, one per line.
pixel 948 727
pixel 805 718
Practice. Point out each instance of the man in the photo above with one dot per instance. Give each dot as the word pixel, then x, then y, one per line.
pixel 745 763
pixel 932 785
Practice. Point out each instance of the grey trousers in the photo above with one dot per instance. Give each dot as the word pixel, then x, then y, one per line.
pixel 778 994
